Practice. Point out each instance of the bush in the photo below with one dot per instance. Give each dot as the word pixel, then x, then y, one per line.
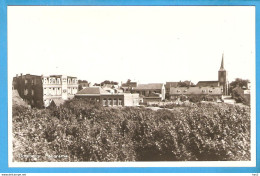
pixel 82 131
pixel 195 99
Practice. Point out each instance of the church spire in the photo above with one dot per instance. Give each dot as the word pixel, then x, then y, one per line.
pixel 222 63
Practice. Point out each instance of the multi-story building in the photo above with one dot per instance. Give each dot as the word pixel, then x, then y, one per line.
pixel 40 91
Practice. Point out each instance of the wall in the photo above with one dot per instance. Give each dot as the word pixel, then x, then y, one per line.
pixel 131 99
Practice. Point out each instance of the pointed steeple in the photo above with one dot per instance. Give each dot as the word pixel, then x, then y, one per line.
pixel 222 64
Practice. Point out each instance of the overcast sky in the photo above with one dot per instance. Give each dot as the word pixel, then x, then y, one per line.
pixel 145 44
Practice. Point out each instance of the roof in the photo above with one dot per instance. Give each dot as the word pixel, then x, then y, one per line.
pixel 93 90
pixel 129 84
pixel 171 84
pixel 195 91
pixel 208 83
pixel 148 86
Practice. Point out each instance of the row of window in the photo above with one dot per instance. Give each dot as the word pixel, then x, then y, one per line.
pixel 57 91
pixel 58 81
pixel 111 102
pixel 26 81
pixel 148 92
pixel 210 91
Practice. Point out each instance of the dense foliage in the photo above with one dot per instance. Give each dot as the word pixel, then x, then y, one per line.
pixel 82 131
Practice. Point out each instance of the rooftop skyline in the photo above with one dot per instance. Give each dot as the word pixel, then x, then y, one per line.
pixel 144 44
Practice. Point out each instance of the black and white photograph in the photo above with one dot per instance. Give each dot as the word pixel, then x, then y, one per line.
pixel 134 86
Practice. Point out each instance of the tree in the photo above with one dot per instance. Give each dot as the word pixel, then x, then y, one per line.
pixel 185 84
pixel 80 87
pixel 108 82
pixel 238 95
pixel 128 81
pixel 238 83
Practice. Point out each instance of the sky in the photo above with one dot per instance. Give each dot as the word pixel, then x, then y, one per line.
pixel 147 44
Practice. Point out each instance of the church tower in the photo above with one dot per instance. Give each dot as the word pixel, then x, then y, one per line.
pixel 222 77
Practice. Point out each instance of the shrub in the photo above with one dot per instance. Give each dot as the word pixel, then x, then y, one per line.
pixel 82 131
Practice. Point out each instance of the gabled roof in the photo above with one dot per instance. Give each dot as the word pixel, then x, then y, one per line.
pixel 93 90
pixel 208 83
pixel 148 86
pixel 195 91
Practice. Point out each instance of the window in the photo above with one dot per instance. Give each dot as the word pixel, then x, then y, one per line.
pixel 210 91
pixel 58 81
pixel 54 80
pixel 32 102
pixel 119 102
pixel 45 91
pixel 109 102
pixel 25 81
pixel 32 82
pixel 50 80
pixel 114 102
pixel 32 92
pixel 25 91
pixel 203 90
pixel 68 81
pixel 104 102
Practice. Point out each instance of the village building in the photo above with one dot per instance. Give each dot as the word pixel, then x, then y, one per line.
pixel 150 92
pixel 41 91
pixel 214 93
pixel 99 95
pixel 168 85
pixel 128 86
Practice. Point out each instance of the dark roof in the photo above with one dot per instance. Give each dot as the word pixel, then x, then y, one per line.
pixel 208 83
pixel 130 84
pixel 93 90
pixel 195 91
pixel 148 86
pixel 171 84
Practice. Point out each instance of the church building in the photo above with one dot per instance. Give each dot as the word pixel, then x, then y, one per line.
pixel 222 77
pixel 221 82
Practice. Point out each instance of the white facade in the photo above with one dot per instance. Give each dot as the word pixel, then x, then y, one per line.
pixel 58 87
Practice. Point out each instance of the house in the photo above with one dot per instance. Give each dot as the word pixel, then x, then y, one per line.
pixel 99 95
pixel 214 92
pixel 150 92
pixel 40 91
pixel 168 85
